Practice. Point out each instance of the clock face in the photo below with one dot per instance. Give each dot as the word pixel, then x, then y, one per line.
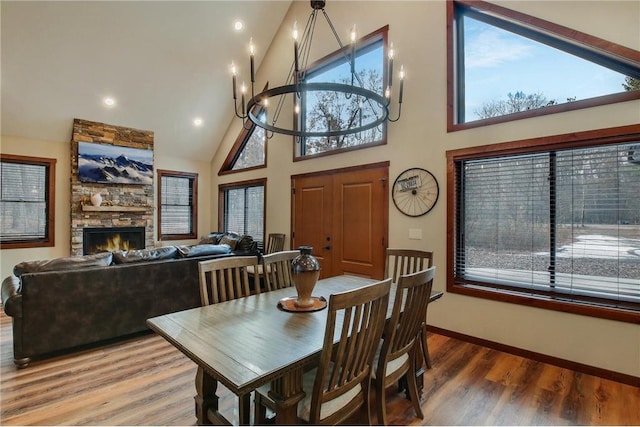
pixel 415 192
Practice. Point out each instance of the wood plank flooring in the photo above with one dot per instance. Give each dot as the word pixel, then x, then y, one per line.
pixel 146 381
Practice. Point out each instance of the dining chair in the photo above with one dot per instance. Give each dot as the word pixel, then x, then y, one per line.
pixel 339 386
pixel 221 280
pixel 404 261
pixel 275 243
pixel 276 270
pixel 398 353
pixel 224 279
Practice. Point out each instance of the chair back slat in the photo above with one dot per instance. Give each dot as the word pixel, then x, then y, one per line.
pixel 405 261
pixel 276 270
pixel 224 279
pixel 356 320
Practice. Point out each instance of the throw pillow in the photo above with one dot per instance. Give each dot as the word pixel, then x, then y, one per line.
pixel 229 241
pixel 68 263
pixel 245 244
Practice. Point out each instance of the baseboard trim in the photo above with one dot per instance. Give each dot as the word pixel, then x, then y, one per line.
pixel 544 358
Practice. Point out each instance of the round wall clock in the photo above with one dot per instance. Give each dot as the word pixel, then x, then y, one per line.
pixel 415 192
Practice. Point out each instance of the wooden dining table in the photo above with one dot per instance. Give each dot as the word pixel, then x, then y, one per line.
pixel 249 342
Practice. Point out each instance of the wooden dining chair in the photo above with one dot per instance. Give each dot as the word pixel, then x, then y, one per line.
pixel 275 243
pixel 405 261
pixel 401 338
pixel 339 386
pixel 276 270
pixel 224 279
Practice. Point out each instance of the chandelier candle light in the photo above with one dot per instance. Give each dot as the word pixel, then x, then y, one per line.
pixel 377 105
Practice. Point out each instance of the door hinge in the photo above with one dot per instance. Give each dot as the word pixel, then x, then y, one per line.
pixel 293 190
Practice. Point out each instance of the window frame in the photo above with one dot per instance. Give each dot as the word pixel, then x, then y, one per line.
pixel 193 180
pixel 222 208
pixel 587 306
pixel 50 167
pixel 326 62
pixel 240 144
pixel 581 44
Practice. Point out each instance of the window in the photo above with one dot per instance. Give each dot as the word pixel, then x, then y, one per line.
pixel 178 199
pixel 28 201
pixel 242 208
pixel 556 227
pixel 508 65
pixel 248 152
pixel 322 110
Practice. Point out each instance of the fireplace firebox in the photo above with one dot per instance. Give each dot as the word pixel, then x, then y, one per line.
pixel 95 240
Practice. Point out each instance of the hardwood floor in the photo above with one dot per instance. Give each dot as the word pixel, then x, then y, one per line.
pixel 146 381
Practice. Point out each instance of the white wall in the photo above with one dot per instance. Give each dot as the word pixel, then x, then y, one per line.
pixel 419 139
pixel 61 152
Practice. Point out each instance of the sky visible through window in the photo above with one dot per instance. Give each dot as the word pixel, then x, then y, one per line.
pixel 498 62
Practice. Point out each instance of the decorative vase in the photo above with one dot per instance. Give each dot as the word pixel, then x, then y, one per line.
pixel 305 270
pixel 96 199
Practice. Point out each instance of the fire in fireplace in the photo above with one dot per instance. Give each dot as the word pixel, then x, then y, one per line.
pixel 95 240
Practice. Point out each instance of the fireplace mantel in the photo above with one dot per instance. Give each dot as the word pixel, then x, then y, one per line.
pixel 89 208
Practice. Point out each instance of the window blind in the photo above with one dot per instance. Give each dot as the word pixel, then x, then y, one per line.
pixel 559 223
pixel 176 205
pixel 244 211
pixel 24 201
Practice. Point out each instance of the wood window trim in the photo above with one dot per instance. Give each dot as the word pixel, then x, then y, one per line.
pixel 194 205
pixel 238 146
pixel 382 32
pixel 620 134
pixel 222 188
pixel 50 164
pixel 549 27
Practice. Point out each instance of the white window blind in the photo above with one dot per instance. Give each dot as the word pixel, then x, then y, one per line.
pixel 24 201
pixel 176 205
pixel 244 211
pixel 558 223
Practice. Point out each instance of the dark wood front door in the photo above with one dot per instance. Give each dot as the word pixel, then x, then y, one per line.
pixel 343 215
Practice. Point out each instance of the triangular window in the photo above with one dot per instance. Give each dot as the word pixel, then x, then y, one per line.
pixel 248 152
pixel 509 66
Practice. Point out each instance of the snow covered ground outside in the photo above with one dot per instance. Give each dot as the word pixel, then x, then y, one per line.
pixel 600 246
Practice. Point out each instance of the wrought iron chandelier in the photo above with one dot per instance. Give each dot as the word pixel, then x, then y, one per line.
pixel 371 109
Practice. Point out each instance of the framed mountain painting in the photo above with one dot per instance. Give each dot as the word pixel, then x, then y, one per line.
pixel 113 164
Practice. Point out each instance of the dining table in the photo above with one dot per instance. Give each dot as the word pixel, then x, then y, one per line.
pixel 249 342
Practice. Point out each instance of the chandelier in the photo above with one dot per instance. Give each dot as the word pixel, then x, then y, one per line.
pixel 369 108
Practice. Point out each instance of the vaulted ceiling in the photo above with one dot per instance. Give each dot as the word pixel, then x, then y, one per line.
pixel 164 62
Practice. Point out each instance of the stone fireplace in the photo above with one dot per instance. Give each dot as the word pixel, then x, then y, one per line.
pixel 124 206
pixel 109 239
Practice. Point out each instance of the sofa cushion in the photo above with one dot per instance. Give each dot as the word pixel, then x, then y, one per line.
pixel 151 254
pixel 68 263
pixel 187 251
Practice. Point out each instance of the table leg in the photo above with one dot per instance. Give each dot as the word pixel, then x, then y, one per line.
pixel 286 392
pixel 206 397
pixel 244 409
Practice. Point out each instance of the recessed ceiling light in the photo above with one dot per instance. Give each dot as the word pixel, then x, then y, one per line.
pixel 197 121
pixel 109 102
pixel 238 25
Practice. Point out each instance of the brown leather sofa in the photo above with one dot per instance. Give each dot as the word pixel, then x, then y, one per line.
pixel 60 304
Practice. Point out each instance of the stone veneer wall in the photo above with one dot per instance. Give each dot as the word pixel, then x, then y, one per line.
pixel 114 196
